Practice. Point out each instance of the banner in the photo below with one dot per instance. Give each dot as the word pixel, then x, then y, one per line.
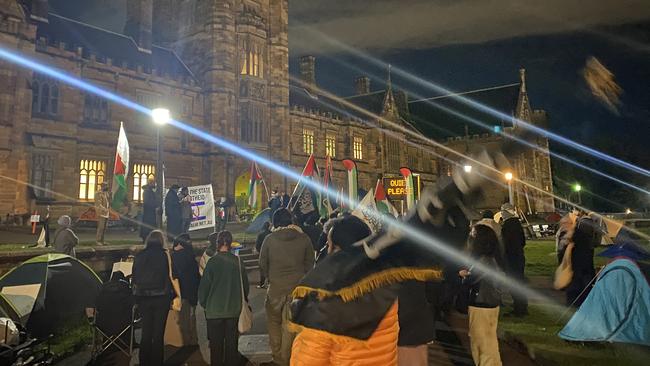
pixel 353 186
pixel 203 214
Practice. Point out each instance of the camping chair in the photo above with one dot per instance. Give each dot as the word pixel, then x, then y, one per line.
pixel 103 340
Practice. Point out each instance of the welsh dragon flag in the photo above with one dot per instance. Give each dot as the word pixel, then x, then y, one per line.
pixel 410 187
pixel 353 187
pixel 120 171
pixel 383 204
pixel 253 184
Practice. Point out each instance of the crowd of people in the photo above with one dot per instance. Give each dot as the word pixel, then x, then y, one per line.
pixel 326 302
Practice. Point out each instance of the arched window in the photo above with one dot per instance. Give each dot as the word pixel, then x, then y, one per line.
pixel 95 109
pixel 45 97
pixel 91 175
pixel 141 175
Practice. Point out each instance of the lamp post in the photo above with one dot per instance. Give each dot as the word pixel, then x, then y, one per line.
pixel 511 198
pixel 467 168
pixel 578 188
pixel 160 117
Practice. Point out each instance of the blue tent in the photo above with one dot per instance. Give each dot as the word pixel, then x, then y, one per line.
pixel 616 310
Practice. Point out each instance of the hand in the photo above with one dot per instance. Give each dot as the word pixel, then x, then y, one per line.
pixel 463 273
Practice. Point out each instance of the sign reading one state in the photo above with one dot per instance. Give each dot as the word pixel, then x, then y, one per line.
pixel 203 213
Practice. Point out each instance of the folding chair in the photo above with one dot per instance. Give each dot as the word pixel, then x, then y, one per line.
pixel 103 341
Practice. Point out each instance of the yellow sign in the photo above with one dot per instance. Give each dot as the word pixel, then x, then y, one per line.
pixel 395 188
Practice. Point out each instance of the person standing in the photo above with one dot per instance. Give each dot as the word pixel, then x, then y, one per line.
pixel 514 241
pixel 173 212
pixel 266 230
pixel 275 202
pixel 150 206
pixel 363 330
pixel 286 256
pixel 586 236
pixel 484 296
pixel 65 239
pixel 186 210
pixel 102 211
pixel 187 269
pixel 220 294
pixel 153 294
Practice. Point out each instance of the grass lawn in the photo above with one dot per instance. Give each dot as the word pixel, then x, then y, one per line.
pixel 539 330
pixel 542 261
pixel 539 333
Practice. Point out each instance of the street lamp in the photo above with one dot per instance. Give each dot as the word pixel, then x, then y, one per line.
pixel 467 168
pixel 577 188
pixel 511 198
pixel 160 117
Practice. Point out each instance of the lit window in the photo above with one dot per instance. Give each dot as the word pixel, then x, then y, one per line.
pixel 91 175
pixel 251 61
pixel 357 148
pixel 307 141
pixel 330 145
pixel 45 97
pixel 141 175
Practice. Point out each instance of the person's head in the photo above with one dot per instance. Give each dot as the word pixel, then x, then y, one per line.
pixel 483 241
pixel 155 240
pixel 64 221
pixel 151 182
pixel 274 192
pixel 346 231
pixel 224 241
pixel 185 191
pixel 174 187
pixel 183 241
pixel 282 218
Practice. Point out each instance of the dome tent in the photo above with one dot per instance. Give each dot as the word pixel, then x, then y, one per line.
pixel 49 290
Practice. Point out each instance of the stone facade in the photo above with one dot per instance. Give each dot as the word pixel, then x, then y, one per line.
pixel 219 65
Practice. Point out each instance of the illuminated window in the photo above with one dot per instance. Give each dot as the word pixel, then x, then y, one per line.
pixel 251 60
pixel 91 175
pixel 357 148
pixel 141 175
pixel 307 141
pixel 330 145
pixel 45 97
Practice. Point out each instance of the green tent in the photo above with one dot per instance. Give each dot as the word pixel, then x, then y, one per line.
pixel 48 291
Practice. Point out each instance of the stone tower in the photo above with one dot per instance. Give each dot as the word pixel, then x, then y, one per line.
pixel 238 51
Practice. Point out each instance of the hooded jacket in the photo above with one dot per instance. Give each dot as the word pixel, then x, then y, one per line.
pixel 286 256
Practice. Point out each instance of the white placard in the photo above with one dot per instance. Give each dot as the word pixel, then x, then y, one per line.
pixel 203 215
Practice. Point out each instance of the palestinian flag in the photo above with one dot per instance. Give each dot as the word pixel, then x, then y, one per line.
pixel 253 184
pixel 304 198
pixel 326 192
pixel 120 171
pixel 410 187
pixel 383 204
pixel 353 186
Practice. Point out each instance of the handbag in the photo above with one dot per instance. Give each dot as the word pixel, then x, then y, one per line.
pixel 246 315
pixel 564 272
pixel 176 302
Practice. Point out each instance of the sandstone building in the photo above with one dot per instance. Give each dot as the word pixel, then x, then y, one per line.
pixel 222 66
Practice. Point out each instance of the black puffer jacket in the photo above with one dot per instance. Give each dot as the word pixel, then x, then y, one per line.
pixel 151 273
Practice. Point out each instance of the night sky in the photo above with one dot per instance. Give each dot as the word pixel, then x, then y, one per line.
pixel 469 44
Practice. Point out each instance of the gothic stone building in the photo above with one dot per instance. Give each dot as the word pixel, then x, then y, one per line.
pixel 219 65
